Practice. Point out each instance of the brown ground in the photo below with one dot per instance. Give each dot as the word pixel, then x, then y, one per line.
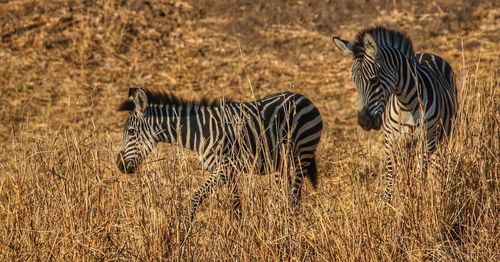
pixel 66 65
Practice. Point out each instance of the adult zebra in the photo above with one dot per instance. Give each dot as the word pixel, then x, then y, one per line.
pixel 228 136
pixel 395 86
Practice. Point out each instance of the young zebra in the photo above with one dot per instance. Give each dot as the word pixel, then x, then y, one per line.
pixel 229 137
pixel 391 80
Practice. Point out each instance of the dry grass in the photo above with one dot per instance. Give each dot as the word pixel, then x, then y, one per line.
pixel 67 65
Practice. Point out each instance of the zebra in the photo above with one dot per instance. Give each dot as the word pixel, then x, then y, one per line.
pixel 226 135
pixel 395 86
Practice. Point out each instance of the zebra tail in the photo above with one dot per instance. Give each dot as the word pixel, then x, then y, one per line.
pixel 312 173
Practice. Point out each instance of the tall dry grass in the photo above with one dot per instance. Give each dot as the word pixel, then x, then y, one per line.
pixel 62 198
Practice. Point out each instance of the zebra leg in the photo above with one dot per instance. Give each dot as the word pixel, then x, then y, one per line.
pixel 283 178
pixel 422 166
pixel 229 182
pixel 297 185
pixel 236 201
pixel 424 157
pixel 202 192
pixel 389 181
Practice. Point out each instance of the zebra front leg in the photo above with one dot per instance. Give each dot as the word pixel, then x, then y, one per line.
pixel 202 192
pixel 422 166
pixel 236 201
pixel 389 181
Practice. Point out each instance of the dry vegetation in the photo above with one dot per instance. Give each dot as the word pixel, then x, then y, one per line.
pixel 66 65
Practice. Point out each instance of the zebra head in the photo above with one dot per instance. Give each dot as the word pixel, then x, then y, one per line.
pixel 367 69
pixel 138 133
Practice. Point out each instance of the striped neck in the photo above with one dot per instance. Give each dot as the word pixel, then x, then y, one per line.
pixel 184 125
pixel 405 76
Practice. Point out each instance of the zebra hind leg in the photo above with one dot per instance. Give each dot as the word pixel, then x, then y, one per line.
pixel 230 183
pixel 297 186
pixel 306 168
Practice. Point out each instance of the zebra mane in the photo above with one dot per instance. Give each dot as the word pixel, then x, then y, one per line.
pixel 388 37
pixel 156 97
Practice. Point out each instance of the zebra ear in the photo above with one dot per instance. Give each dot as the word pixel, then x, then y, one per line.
pixel 131 91
pixel 140 100
pixel 370 45
pixel 345 46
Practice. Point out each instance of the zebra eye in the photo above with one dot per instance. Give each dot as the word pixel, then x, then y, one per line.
pixel 131 132
pixel 373 80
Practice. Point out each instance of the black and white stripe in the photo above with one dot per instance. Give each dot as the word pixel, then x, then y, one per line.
pixel 398 89
pixel 228 136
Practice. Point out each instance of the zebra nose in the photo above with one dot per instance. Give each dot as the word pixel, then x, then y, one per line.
pixel 125 166
pixel 377 122
pixel 122 165
pixel 120 162
pixel 365 120
pixel 130 168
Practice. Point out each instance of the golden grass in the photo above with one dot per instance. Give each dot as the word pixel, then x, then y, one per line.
pixel 66 66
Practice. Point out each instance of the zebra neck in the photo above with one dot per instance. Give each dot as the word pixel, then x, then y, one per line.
pixel 407 90
pixel 186 125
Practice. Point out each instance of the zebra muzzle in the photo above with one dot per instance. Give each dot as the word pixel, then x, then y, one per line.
pixel 367 121
pixel 126 167
pixel 377 122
